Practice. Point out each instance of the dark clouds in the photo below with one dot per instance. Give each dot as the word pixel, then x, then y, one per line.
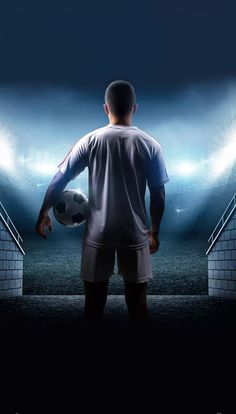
pixel 154 44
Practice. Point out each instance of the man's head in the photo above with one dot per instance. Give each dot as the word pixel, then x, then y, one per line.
pixel 120 99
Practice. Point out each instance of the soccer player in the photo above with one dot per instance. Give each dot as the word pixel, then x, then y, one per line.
pixel 121 159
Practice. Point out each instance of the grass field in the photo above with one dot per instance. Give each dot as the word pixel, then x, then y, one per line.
pixel 53 267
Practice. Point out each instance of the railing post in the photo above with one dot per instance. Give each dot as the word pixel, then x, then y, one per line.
pixel 10 224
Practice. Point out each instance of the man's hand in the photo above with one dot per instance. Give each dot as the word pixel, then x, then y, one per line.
pixel 154 242
pixel 42 223
pixel 55 188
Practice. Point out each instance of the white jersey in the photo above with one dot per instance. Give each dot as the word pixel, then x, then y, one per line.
pixel 121 160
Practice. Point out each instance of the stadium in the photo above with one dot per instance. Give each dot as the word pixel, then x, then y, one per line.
pixel 200 154
pixel 57 59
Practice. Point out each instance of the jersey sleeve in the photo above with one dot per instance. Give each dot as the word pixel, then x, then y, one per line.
pixel 156 169
pixel 76 160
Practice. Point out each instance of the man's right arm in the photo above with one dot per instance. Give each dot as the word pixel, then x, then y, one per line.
pixel 55 188
pixel 157 207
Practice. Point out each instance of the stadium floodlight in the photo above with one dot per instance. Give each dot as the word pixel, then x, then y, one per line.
pixel 186 168
pixel 6 153
pixel 225 158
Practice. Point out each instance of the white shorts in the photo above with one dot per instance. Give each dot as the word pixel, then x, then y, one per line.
pixel 97 264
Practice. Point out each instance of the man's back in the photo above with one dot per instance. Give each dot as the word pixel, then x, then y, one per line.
pixel 120 159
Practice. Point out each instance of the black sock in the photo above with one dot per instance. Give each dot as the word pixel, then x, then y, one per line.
pixel 95 299
pixel 136 300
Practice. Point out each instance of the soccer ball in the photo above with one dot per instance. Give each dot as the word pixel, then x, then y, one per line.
pixel 71 208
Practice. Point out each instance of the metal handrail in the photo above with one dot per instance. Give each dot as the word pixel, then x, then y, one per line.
pixel 221 223
pixel 10 223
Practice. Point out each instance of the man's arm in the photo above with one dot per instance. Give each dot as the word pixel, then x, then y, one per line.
pixel 56 186
pixel 157 207
pixel 72 165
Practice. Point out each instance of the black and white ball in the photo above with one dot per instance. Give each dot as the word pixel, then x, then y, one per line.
pixel 71 208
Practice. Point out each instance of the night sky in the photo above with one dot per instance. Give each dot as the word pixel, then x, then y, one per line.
pixel 57 58
pixel 157 45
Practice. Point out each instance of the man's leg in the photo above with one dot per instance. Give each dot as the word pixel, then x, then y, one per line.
pixel 136 300
pixel 96 267
pixel 136 268
pixel 95 299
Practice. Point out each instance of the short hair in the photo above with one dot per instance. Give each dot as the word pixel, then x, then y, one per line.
pixel 120 96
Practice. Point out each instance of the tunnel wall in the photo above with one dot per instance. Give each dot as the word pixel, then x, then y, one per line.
pixel 222 262
pixel 11 264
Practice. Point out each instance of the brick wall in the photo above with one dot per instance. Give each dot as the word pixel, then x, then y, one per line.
pixel 222 263
pixel 11 264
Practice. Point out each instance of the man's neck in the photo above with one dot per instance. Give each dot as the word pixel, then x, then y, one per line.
pixel 126 122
